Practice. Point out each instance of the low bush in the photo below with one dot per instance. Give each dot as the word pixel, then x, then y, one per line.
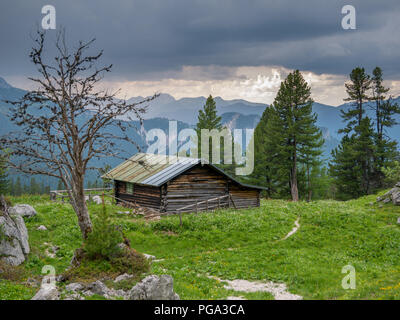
pixel 102 242
pixel 105 254
pixel 12 273
pixel 128 261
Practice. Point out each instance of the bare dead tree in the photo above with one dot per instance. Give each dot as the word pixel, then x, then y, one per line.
pixel 67 121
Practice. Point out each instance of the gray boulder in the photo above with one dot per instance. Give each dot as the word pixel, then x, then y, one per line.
pixel 74 287
pixel 14 245
pixel 74 296
pixel 23 210
pixel 392 195
pixel 99 288
pixel 47 291
pixel 396 198
pixel 123 277
pixel 154 288
pixel 149 257
pixel 97 199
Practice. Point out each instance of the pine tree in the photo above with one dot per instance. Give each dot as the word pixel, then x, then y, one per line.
pixel 354 162
pixel 18 187
pixel 11 187
pixel 264 173
pixel 385 110
pixel 107 183
pixel 322 183
pixel 34 187
pixel 345 170
pixel 378 95
pixel 60 185
pixel 4 183
pixel 293 138
pixel 357 91
pixel 208 119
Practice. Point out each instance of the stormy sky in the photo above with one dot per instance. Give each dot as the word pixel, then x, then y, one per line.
pixel 229 48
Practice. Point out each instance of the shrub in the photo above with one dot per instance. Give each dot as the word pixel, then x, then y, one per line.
pixel 392 174
pixel 9 272
pixel 106 254
pixel 2 233
pixel 102 242
pixel 129 261
pixel 8 204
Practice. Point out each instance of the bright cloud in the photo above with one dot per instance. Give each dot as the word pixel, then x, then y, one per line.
pixel 256 84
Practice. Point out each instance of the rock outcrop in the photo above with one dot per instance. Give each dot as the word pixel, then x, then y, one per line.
pixel 154 288
pixel 393 195
pixel 123 277
pixel 151 288
pixel 23 210
pixel 48 291
pixel 97 199
pixel 14 245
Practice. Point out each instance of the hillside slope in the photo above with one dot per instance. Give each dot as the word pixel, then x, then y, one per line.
pixel 246 244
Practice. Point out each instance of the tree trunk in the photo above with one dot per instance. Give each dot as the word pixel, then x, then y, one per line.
pixel 378 118
pixel 360 111
pixel 85 224
pixel 293 186
pixel 79 204
pixel 293 183
pixel 309 184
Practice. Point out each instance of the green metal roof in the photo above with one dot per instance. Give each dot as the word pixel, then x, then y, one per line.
pixel 155 170
pixel 150 169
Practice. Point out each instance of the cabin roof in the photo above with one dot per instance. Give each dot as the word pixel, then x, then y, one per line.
pixel 155 170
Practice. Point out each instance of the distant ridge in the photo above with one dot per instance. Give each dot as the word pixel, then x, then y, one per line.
pixel 236 113
pixel 4 84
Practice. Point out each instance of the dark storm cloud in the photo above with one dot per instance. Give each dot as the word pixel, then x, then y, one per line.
pixel 145 38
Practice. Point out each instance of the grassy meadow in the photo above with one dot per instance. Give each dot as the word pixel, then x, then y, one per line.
pixel 245 244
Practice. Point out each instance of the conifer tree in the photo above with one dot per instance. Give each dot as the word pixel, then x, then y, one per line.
pixel 357 147
pixel 4 183
pixel 18 187
pixel 346 170
pixel 60 185
pixel 263 173
pixel 34 187
pixel 378 95
pixel 208 119
pixel 357 163
pixel 292 135
pixel 357 90
pixel 385 110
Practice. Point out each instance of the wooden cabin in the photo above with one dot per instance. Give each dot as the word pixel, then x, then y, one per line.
pixel 170 183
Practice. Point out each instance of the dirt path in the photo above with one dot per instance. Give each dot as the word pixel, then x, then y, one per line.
pixel 294 230
pixel 278 290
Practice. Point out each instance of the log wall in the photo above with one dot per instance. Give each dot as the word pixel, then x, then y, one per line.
pixel 199 183
pixel 144 196
pixel 244 197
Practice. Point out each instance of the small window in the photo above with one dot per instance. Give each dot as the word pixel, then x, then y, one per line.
pixel 129 188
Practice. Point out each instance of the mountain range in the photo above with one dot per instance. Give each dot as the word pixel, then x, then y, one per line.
pixel 235 114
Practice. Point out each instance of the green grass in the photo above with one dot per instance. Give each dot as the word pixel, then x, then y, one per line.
pixel 243 244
